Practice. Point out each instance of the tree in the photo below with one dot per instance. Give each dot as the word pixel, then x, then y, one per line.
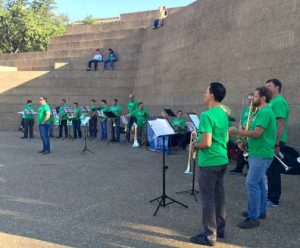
pixel 89 20
pixel 28 25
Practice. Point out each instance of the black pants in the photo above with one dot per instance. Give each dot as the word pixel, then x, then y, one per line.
pixel 93 127
pixel 211 185
pixel 240 162
pixel 28 125
pixel 95 63
pixel 63 123
pixel 274 180
pixel 77 129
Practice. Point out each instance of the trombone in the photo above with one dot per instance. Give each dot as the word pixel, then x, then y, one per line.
pixel 135 141
pixel 192 154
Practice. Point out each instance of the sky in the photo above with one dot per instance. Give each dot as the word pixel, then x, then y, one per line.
pixel 79 9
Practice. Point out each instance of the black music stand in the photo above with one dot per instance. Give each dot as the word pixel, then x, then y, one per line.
pixel 85 148
pixel 162 128
pixel 111 115
pixel 169 112
pixel 195 121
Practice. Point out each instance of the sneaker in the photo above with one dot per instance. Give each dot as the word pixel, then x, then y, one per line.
pixel 202 239
pixel 248 223
pixel 272 204
pixel 88 69
pixel 42 151
pixel 236 172
pixel 262 216
pixel 46 152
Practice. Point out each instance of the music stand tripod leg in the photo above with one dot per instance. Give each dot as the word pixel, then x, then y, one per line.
pixel 163 197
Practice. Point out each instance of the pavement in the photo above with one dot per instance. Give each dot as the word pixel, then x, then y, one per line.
pixel 101 199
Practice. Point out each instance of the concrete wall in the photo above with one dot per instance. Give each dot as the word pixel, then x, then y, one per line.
pixel 241 43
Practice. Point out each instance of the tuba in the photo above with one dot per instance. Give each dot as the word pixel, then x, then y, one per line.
pixel 135 141
pixel 193 139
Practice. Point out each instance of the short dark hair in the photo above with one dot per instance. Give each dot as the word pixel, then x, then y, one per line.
pixel 63 100
pixel 276 83
pixel 115 99
pixel 110 50
pixel 76 103
pixel 93 100
pixel 103 100
pixel 29 101
pixel 264 91
pixel 179 111
pixel 140 103
pixel 218 90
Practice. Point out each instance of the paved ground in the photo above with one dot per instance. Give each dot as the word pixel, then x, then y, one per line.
pixel 102 199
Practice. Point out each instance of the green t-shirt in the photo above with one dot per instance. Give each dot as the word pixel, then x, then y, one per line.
pixel 77 112
pixel 93 107
pixel 62 113
pixel 116 109
pixel 281 109
pixel 26 108
pixel 264 146
pixel 214 121
pixel 244 116
pixel 43 109
pixel 179 124
pixel 141 117
pixel 132 106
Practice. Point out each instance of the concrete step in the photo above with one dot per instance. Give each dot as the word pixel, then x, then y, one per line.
pixel 93 36
pixel 118 25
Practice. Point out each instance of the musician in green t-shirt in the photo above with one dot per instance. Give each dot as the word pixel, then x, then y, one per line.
pixel 141 115
pixel 28 119
pixel 180 127
pixel 281 110
pixel 93 121
pixel 76 121
pixel 63 118
pixel 115 122
pixel 261 147
pixel 43 119
pixel 132 105
pixel 103 120
pixel 212 159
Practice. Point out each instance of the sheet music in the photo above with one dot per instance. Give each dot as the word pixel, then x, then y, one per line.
pixel 161 127
pixel 190 126
pixel 85 121
pixel 195 119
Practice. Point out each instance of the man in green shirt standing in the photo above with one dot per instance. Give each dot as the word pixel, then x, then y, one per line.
pixel 93 121
pixel 261 143
pixel 212 161
pixel 76 121
pixel 141 115
pixel 103 120
pixel 28 119
pixel 281 110
pixel 63 118
pixel 132 105
pixel 43 119
pixel 115 122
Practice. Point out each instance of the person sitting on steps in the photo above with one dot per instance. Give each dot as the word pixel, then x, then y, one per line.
pixel 97 58
pixel 111 58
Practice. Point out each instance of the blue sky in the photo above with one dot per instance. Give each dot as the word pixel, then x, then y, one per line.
pixel 79 9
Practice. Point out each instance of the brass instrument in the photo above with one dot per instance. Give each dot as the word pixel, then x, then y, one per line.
pixel 135 141
pixel 125 122
pixel 192 154
pixel 247 127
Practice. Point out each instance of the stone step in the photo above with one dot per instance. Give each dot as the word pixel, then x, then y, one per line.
pixel 118 25
pixel 92 36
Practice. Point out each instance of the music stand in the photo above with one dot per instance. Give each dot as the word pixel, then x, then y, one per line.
pixel 111 115
pixel 162 128
pixel 195 122
pixel 85 148
pixel 169 112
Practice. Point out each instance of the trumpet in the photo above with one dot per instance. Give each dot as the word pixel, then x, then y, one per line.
pixel 192 154
pixel 135 141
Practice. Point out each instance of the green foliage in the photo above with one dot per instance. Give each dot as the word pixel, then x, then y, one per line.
pixel 89 20
pixel 28 25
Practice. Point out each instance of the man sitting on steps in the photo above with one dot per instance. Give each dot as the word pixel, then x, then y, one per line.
pixel 97 58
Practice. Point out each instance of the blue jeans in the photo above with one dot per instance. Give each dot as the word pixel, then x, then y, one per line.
pixel 256 187
pixel 44 133
pixel 130 123
pixel 103 127
pixel 77 129
pixel 111 61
